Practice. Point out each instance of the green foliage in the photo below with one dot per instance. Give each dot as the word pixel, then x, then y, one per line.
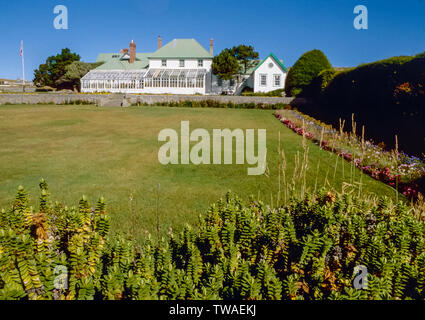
pixel 274 93
pixel 225 65
pixel 52 72
pixel 44 89
pixel 320 83
pixel 75 71
pixel 235 61
pixel 386 96
pixel 308 66
pixel 305 250
pixel 224 105
pixel 246 55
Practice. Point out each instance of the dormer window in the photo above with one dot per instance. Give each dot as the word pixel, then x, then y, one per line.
pixel 181 63
pixel 164 63
pixel 126 56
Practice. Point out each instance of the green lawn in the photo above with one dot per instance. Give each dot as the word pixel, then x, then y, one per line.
pixel 114 153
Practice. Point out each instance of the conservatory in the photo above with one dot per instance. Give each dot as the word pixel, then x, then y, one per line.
pixel 130 81
pixel 173 81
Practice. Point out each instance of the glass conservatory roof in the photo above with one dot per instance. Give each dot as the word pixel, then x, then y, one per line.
pixel 115 75
pixel 144 74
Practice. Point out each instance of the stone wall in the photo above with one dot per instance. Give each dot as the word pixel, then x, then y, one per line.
pixel 118 100
pixel 47 98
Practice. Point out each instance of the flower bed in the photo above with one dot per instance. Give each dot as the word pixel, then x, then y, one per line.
pixel 401 175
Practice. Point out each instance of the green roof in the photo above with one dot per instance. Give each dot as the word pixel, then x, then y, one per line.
pixel 178 48
pixel 254 64
pixel 182 48
pixel 123 65
pixel 279 62
pixel 112 61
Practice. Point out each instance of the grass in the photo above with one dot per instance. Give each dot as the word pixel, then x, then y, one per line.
pixel 112 152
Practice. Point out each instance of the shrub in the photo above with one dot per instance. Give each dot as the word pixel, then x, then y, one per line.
pixel 307 249
pixel 45 89
pixel 304 71
pixel 247 89
pixel 217 104
pixel 274 93
pixel 386 96
pixel 320 83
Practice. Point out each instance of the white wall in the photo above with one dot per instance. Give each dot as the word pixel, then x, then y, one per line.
pixel 175 64
pixel 270 72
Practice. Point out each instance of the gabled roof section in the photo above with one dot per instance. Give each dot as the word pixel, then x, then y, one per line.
pixel 117 64
pixel 182 49
pixel 279 62
pixel 105 57
pixel 114 61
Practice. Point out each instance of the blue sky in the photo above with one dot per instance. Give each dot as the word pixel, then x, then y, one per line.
pixel 287 28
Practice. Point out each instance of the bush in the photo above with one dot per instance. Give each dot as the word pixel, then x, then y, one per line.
pixel 217 104
pixel 247 89
pixel 387 97
pixel 45 89
pixel 274 93
pixel 307 249
pixel 320 83
pixel 304 71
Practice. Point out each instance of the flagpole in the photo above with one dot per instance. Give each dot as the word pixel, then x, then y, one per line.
pixel 23 66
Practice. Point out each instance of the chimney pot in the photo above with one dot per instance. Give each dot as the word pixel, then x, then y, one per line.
pixel 159 42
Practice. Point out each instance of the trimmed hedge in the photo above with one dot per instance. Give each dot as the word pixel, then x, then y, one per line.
pixel 300 76
pixel 217 104
pixel 307 249
pixel 387 96
pixel 274 93
pixel 320 83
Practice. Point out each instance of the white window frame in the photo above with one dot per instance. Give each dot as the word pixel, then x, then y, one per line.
pixel 164 63
pixel 200 63
pixel 275 76
pixel 182 63
pixel 261 79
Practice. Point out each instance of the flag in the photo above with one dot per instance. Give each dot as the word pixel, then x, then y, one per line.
pixel 21 51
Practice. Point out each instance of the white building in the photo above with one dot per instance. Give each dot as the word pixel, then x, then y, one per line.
pixel 182 66
pixel 268 75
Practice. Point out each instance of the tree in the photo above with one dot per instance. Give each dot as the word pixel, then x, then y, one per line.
pixel 246 55
pixel 74 72
pixel 232 63
pixel 225 65
pixel 51 73
pixel 300 76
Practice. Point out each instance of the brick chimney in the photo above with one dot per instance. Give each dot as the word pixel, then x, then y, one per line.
pixel 124 51
pixel 159 42
pixel 132 52
pixel 212 47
